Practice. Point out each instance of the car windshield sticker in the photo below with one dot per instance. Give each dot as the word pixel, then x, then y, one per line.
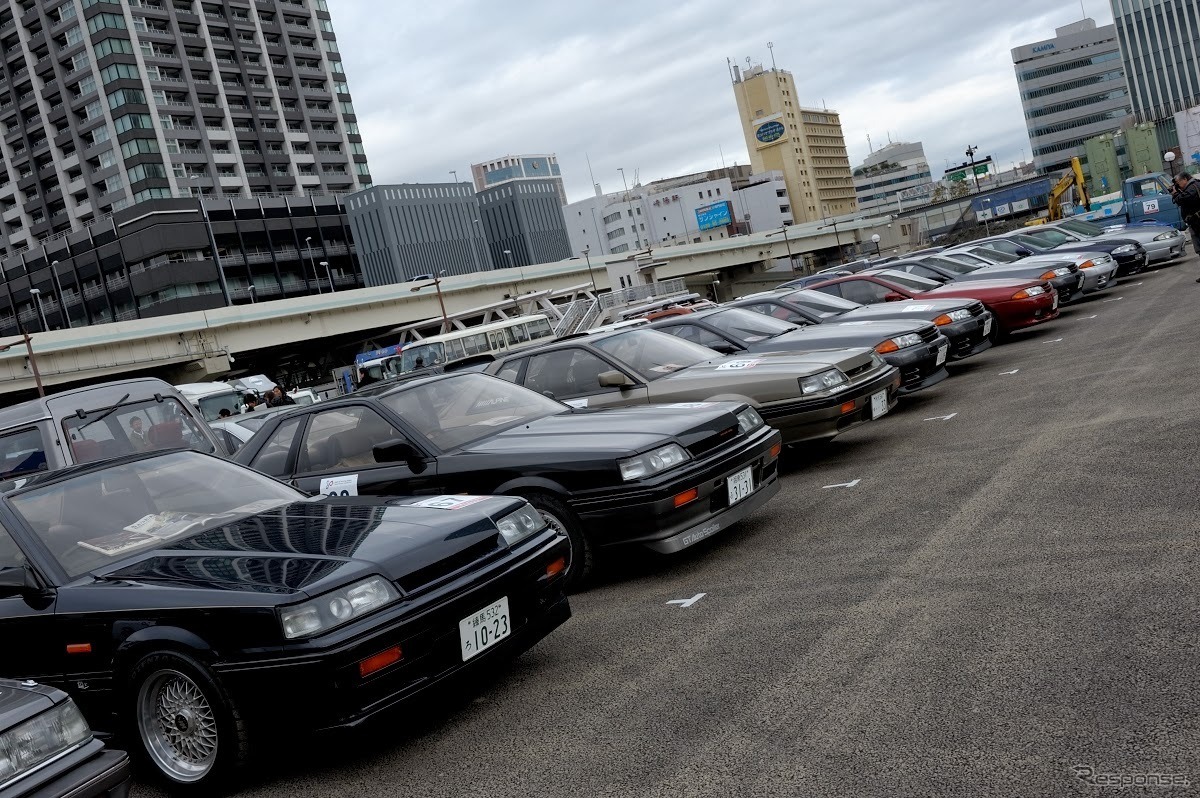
pixel 738 364
pixel 689 405
pixel 495 422
pixel 576 402
pixel 346 485
pixel 916 308
pixel 450 502
pixel 666 368
pixel 753 338
pixel 165 525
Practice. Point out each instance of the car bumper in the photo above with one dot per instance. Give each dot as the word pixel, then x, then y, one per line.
pixel 919 365
pixel 1097 278
pixel 970 336
pixel 1159 251
pixel 320 686
pixel 1069 287
pixel 647 514
pixel 1128 265
pixel 90 772
pixel 1015 314
pixel 822 419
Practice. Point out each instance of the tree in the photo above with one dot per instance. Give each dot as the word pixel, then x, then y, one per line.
pixel 939 193
pixel 959 189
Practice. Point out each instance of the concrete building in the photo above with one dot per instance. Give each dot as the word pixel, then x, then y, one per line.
pixel 890 173
pixel 1112 157
pixel 805 144
pixel 104 105
pixel 509 168
pixel 1160 43
pixel 1072 89
pixel 523 222
pixel 179 255
pixel 404 231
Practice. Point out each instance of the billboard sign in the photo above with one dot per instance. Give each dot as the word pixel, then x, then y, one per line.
pixel 769 131
pixel 717 214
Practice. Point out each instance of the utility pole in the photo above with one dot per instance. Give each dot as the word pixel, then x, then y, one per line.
pixel 971 157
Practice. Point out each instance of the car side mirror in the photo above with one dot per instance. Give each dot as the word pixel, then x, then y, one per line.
pixel 723 348
pixel 613 379
pixel 892 296
pixel 16 581
pixel 395 450
pixel 1023 253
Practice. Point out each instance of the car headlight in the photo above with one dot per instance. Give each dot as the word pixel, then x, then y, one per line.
pixel 1125 249
pixel 40 738
pixel 1025 293
pixel 877 362
pixel 657 461
pixel 952 316
pixel 336 607
pixel 518 525
pixel 1167 236
pixel 831 380
pixel 749 420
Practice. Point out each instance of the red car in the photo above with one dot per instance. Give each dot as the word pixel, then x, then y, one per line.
pixel 1015 303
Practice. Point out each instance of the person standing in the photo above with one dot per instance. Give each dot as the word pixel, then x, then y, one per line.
pixel 1185 193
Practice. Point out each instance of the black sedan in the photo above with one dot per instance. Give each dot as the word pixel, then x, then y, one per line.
pixel 1131 256
pixel 664 476
pixel 966 323
pixel 46 747
pixel 193 605
pixel 914 347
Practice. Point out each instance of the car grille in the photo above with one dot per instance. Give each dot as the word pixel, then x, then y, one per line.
pixel 712 442
pixel 911 376
pixel 963 346
pixel 857 370
pixel 976 309
pixel 1064 294
pixel 928 333
pixel 442 569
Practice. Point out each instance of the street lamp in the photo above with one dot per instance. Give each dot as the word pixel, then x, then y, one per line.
pixel 329 274
pixel 62 302
pixel 836 236
pixel 437 284
pixel 875 241
pixel 987 229
pixel 1169 157
pixel 787 243
pixel 37 377
pixel 587 253
pixel 316 274
pixel 454 174
pixel 36 293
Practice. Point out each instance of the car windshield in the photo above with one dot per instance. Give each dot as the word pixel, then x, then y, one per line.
pixel 419 356
pixel 748 326
pixel 993 255
pixel 1055 237
pixel 93 519
pixel 211 406
pixel 957 266
pixel 133 427
pixel 467 407
pixel 825 305
pixel 1082 228
pixel 909 280
pixel 1032 242
pixel 654 354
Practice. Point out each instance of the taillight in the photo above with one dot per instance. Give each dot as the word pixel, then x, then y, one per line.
pixel 887 346
pixel 942 320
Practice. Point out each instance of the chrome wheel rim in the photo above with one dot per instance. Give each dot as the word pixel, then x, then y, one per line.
pixel 178 726
pixel 558 526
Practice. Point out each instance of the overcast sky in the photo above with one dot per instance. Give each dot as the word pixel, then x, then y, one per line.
pixel 644 85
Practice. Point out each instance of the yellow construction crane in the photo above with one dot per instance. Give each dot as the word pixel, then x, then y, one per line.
pixel 1072 178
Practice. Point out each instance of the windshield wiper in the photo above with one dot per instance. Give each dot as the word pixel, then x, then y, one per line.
pixel 782 332
pixel 83 413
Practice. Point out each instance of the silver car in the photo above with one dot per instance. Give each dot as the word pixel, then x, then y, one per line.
pixel 1099 269
pixel 1161 243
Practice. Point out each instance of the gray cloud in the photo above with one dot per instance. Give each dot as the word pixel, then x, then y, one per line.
pixel 644 85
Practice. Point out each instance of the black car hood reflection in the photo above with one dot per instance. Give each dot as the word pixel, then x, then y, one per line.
pixel 295 547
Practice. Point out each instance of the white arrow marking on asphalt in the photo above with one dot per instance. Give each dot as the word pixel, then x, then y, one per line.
pixel 1014 371
pixel 942 418
pixel 845 484
pixel 1052 341
pixel 1085 318
pixel 688 602
pixel 1114 299
pixel 1135 284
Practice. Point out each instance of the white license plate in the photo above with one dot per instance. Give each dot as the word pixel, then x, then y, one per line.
pixel 879 404
pixel 740 485
pixel 941 357
pixel 987 327
pixel 1054 305
pixel 482 630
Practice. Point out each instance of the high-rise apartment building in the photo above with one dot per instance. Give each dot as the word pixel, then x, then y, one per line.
pixel 1160 51
pixel 103 105
pixel 889 174
pixel 806 144
pixel 1072 88
pixel 511 168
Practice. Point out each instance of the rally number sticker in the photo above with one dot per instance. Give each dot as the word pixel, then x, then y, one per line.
pixel 346 485
pixel 735 365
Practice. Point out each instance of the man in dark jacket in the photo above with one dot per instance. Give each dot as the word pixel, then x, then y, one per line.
pixel 1185 193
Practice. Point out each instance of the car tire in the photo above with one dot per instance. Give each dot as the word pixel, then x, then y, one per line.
pixel 182 724
pixel 563 519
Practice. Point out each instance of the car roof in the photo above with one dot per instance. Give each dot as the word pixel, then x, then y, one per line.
pixel 39 409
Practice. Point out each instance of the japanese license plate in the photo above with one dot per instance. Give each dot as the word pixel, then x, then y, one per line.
pixel 740 485
pixel 1054 302
pixel 879 404
pixel 987 327
pixel 482 630
pixel 941 355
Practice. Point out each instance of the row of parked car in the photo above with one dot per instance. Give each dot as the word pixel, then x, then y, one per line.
pixel 361 551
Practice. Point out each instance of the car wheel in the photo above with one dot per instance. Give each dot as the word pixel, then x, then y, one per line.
pixel 564 521
pixel 188 729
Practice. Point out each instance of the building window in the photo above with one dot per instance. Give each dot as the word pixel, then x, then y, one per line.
pixel 74 35
pixel 109 46
pixel 102 21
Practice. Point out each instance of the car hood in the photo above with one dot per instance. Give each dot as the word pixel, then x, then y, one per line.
pixel 311 546
pixel 1095 245
pixel 1142 236
pixel 761 377
pixel 980 288
pixel 1013 271
pixel 841 335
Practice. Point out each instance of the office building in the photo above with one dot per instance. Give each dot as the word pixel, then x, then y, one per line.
pixel 169 256
pixel 1160 43
pixel 1072 89
pixel 405 231
pixel 513 168
pixel 104 105
pixel 523 222
pixel 1112 157
pixel 805 144
pixel 890 174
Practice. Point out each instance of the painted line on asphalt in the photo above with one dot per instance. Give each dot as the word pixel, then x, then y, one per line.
pixel 1004 373
pixel 1114 299
pixel 942 418
pixel 688 602
pixel 850 484
pixel 1085 318
pixel 1053 341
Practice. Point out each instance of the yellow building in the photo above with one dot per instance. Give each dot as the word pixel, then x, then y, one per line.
pixel 806 144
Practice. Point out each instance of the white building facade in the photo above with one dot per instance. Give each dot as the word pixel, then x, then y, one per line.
pixel 890 175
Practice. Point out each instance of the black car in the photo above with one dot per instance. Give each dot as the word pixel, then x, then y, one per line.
pixel 966 323
pixel 192 605
pixel 1130 255
pixel 46 747
pixel 914 347
pixel 664 477
pixel 1064 275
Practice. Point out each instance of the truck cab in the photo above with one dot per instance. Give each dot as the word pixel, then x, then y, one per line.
pixel 210 398
pixel 97 422
pixel 1148 201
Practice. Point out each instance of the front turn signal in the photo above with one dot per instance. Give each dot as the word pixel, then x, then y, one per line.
pixel 887 346
pixel 942 320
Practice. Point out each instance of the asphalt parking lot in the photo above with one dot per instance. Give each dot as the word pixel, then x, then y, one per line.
pixel 980 594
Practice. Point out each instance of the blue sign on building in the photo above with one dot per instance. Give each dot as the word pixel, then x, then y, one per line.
pixel 716 215
pixel 769 131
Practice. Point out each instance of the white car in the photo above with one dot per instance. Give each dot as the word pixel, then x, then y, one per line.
pixel 234 431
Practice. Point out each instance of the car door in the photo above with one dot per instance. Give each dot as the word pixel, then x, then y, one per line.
pixel 335 456
pixel 705 337
pixel 28 630
pixel 572 376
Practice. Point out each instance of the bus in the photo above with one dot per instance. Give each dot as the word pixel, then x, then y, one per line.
pixel 497 338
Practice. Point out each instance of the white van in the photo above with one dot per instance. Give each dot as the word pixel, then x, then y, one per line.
pixel 210 398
